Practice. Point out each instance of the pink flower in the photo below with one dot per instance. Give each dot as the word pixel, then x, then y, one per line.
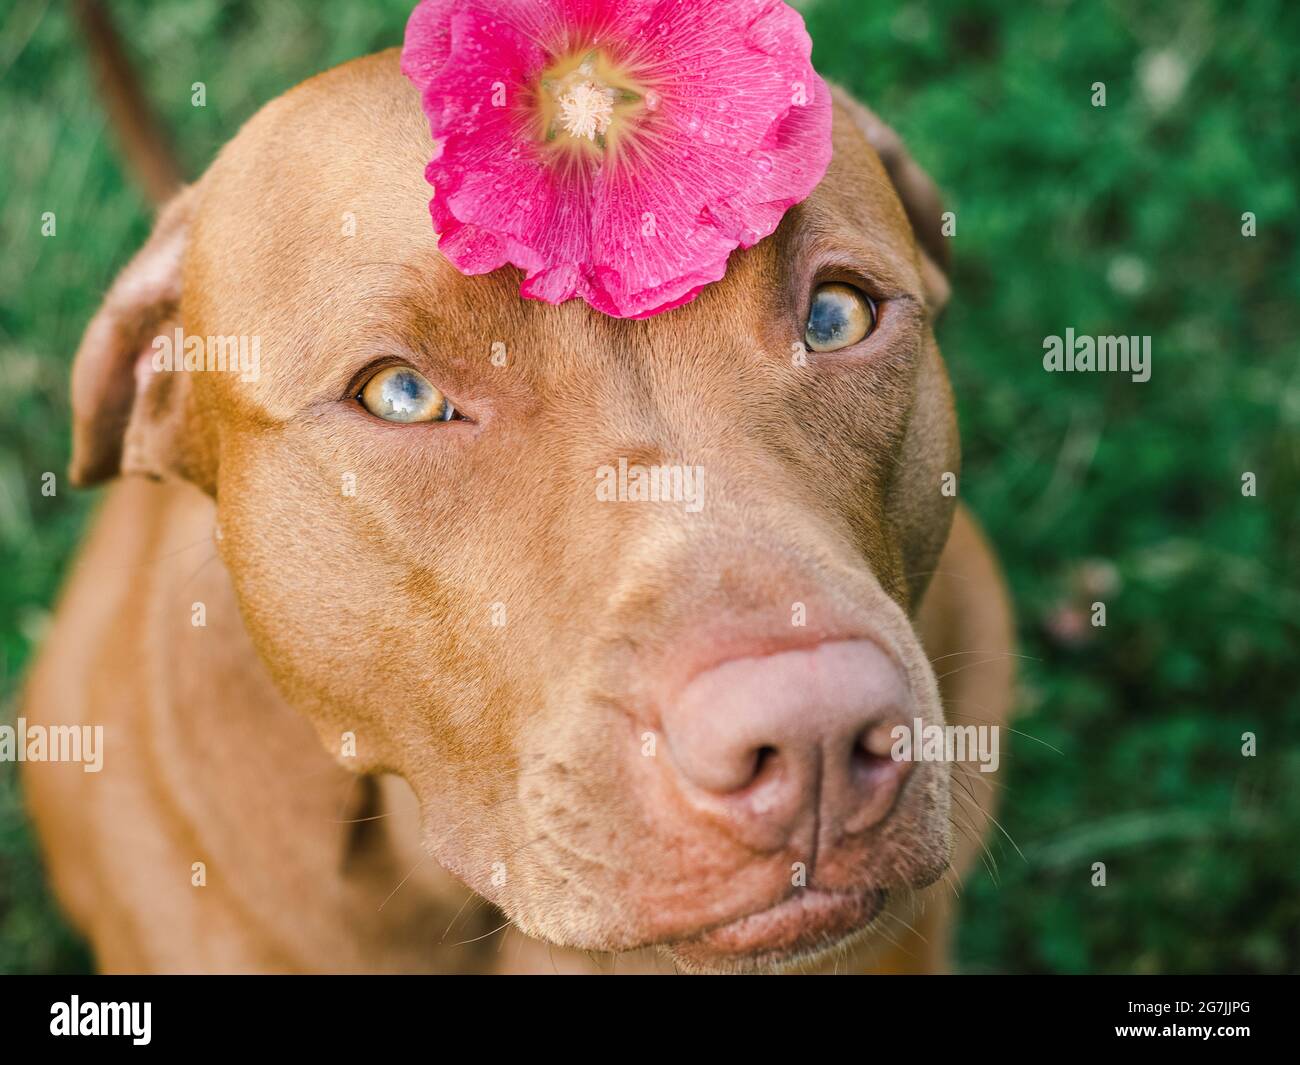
pixel 617 150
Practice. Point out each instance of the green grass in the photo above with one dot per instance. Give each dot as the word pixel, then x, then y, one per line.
pixel 1117 220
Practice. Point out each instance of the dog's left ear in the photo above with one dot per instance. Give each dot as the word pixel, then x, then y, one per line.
pixel 918 193
pixel 127 418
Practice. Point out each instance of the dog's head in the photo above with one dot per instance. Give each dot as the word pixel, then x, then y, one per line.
pixel 626 602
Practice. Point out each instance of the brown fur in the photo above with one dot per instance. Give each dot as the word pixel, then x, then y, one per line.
pixel 507 756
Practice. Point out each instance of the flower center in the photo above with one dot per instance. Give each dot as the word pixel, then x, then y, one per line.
pixel 587 107
pixel 586 102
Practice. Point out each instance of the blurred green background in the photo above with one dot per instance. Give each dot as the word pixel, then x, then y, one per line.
pixel 1125 219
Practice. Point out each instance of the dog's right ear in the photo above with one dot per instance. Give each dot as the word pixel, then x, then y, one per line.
pixel 126 418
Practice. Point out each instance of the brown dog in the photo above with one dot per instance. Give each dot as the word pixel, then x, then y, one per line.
pixel 624 726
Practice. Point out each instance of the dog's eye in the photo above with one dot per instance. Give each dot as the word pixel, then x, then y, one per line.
pixel 840 316
pixel 399 394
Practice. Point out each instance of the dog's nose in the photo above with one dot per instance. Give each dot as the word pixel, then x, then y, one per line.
pixel 765 741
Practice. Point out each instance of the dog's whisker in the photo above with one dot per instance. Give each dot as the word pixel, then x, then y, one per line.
pixel 404 879
pixel 964 773
pixel 451 924
pixel 979 836
pixel 1008 728
pixel 973 834
pixel 954 881
pixel 485 935
pixel 156 559
pixel 998 825
pixel 480 902
pixel 204 565
pixel 961 777
pixel 996 655
pixel 969 665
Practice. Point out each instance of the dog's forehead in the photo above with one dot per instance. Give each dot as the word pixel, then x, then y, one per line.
pixel 314 226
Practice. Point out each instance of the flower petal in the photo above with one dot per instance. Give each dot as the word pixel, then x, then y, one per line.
pixel 739 132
